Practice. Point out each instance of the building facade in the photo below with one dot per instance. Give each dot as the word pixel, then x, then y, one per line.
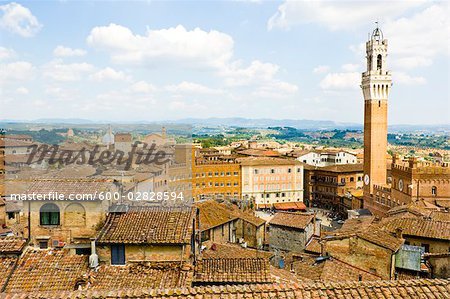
pixel 266 181
pixel 334 187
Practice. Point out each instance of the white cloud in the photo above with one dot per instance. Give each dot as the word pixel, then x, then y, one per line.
pixel 193 88
pixel 336 15
pixel 405 79
pixel 22 90
pixel 321 69
pixel 6 53
pixel 60 93
pixel 16 71
pixel 142 87
pixel 333 81
pixel 194 48
pixel 275 89
pixel 61 51
pixel 257 71
pixel 109 74
pixel 19 19
pixel 417 40
pixel 350 67
pixel 59 71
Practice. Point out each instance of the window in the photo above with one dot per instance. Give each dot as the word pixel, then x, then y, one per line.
pixel 434 191
pixel 289 170
pixel 43 244
pixel 256 171
pixel 118 254
pixel 379 62
pixel 426 246
pixel 236 173
pixel 298 169
pixel 49 214
pixel 352 179
pixel 272 170
pixel 205 235
pixel 83 251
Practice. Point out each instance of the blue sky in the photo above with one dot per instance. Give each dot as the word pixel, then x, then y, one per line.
pixel 154 60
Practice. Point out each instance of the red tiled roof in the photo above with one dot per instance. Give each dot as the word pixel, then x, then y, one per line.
pixel 67 187
pixel 149 225
pixel 47 270
pixel 292 219
pixel 213 214
pixel 313 246
pixel 425 228
pixel 233 270
pixel 6 267
pixel 399 289
pixel 298 206
pixel 141 275
pixel 10 245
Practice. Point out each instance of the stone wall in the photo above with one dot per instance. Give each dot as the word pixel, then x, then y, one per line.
pixel 283 239
pixel 147 253
pixel 362 254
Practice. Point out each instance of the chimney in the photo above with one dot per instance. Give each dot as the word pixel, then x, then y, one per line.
pixel 93 258
pixel 399 233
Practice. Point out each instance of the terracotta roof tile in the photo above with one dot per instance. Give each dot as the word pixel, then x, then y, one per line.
pixel 213 214
pixel 155 275
pixel 313 246
pixel 10 245
pixel 69 186
pixel 336 270
pixel 6 267
pixel 399 289
pixel 292 219
pixel 149 225
pixel 47 270
pixel 381 238
pixel 343 168
pixel 440 216
pixel 233 270
pixel 425 228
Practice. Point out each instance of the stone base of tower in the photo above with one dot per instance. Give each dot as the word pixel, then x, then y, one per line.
pixel 380 202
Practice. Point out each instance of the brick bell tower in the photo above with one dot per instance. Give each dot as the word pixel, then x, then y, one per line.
pixel 376 84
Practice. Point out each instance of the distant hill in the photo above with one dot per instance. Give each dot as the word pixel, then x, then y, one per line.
pixel 304 124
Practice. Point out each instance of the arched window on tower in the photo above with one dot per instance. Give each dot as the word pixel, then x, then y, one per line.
pixel 379 61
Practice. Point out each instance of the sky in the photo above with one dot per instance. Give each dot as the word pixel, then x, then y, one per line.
pixel 167 60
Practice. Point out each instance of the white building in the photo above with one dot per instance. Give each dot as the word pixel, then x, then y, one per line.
pixel 327 158
pixel 271 180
